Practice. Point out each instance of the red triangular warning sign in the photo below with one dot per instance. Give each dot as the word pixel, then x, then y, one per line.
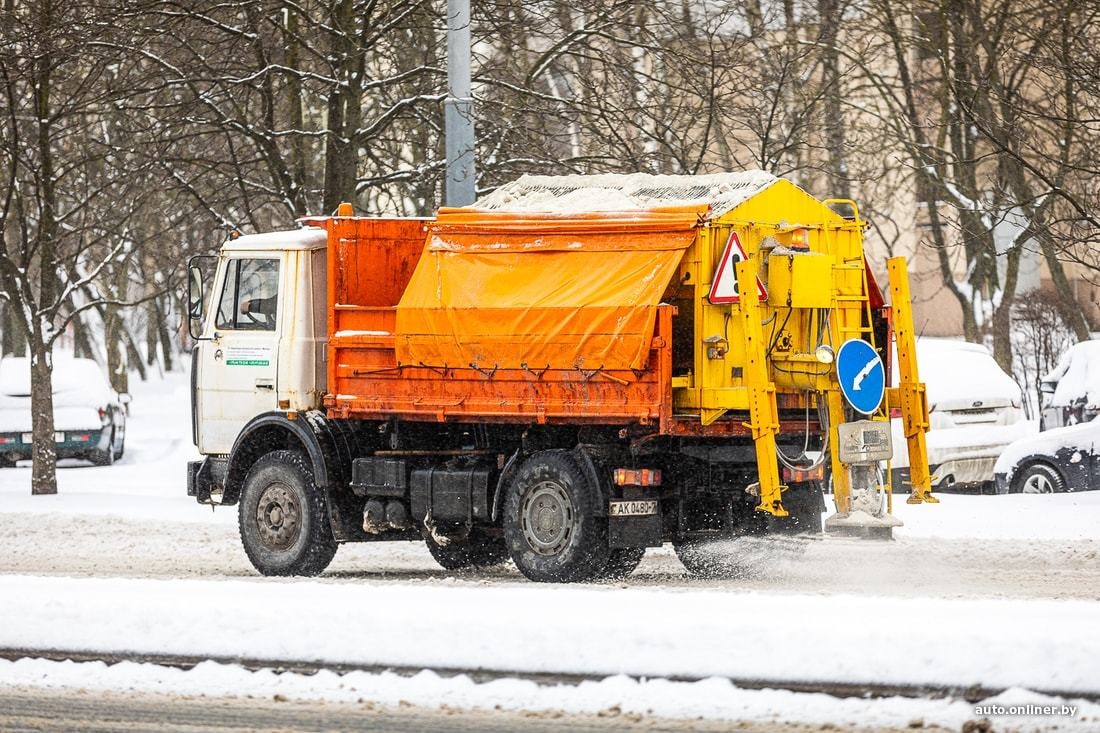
pixel 724 289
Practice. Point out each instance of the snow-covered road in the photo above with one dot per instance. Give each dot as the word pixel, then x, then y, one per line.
pixel 1002 592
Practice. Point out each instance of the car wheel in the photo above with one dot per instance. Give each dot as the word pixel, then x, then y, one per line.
pixel 6 462
pixel 550 520
pixel 1039 478
pixel 104 457
pixel 283 517
pixel 479 550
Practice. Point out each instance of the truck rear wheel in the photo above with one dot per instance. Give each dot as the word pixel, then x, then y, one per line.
pixel 284 518
pixel 550 520
pixel 479 550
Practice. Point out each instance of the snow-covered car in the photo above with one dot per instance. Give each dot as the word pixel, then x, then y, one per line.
pixel 975 410
pixel 89 417
pixel 1071 390
pixel 1056 460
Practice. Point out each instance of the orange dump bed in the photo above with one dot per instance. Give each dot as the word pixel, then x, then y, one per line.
pixel 510 317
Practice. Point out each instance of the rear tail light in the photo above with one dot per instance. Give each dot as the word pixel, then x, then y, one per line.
pixel 895 412
pixel 637 477
pixel 7 440
pixel 804 474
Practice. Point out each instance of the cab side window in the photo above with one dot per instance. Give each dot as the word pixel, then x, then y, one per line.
pixel 250 295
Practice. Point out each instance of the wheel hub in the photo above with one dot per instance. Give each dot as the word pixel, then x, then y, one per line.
pixel 548 516
pixel 1038 484
pixel 278 517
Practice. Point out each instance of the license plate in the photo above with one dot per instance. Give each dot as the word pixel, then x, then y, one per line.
pixel 28 438
pixel 633 508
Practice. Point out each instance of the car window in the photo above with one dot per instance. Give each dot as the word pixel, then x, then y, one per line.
pixel 250 295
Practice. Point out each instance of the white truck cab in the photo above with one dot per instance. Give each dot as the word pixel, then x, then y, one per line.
pixel 261 343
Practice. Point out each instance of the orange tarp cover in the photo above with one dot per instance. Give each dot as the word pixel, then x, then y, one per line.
pixel 507 290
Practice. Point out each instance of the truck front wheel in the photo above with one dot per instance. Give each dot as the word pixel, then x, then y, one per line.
pixel 550 521
pixel 283 517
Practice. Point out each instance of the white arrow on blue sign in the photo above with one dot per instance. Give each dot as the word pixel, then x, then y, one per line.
pixel 861 374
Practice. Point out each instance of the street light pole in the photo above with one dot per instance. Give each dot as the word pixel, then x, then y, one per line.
pixel 459 108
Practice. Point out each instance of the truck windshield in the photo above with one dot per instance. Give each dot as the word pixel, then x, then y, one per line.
pixel 250 295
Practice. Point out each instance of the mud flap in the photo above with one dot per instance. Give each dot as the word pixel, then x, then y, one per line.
pixel 642 531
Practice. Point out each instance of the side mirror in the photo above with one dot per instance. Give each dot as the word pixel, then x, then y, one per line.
pixel 195 296
pixel 124 398
pixel 194 292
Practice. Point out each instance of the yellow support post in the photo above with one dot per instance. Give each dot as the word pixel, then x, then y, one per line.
pixel 841 488
pixel 763 414
pixel 914 402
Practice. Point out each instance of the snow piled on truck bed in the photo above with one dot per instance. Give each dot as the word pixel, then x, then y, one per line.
pixel 625 192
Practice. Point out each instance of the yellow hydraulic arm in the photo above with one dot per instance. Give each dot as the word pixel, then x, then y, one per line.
pixel 763 414
pixel 912 398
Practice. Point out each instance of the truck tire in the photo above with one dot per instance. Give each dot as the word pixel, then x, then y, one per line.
pixel 551 525
pixel 622 562
pixel 479 550
pixel 283 517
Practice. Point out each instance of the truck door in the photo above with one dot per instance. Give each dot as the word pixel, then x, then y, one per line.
pixel 238 367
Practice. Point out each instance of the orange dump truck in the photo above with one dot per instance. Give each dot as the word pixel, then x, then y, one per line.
pixel 564 374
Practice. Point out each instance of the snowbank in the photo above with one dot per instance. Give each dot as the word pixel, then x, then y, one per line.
pixel 1043 645
pixel 714 699
pixel 1031 517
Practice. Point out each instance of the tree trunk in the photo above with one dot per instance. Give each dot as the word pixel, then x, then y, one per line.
pixel 82 345
pixel 13 337
pixel 112 341
pixel 44 450
pixel 166 346
pixel 1068 308
pixel 1001 325
pixel 151 324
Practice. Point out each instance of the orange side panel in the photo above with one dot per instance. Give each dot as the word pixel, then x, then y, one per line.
pixel 498 291
pixel 532 318
pixel 371 260
pixel 369 263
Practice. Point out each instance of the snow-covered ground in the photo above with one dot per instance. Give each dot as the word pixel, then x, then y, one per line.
pixel 997 591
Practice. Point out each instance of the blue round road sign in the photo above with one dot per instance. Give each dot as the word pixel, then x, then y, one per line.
pixel 861 374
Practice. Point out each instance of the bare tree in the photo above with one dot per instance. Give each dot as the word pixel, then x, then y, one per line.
pixel 60 177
